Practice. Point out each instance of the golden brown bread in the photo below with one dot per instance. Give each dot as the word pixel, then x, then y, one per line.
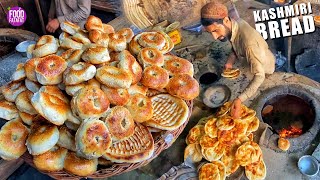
pixel 42 138
pixel 248 153
pixel 117 42
pixel 92 138
pixel 195 134
pixel 68 43
pixel 231 73
pixel 169 112
pixel 69 27
pixel 155 77
pixel 283 144
pixel 138 88
pixel 96 55
pixel 95 35
pixel 225 123
pixel 66 138
pixel 79 73
pixel 140 107
pixel 19 74
pixel 194 152
pixel 81 37
pixel 211 128
pixel 13 137
pixel 183 86
pixel 27 118
pixel 46 45
pixel 52 104
pixel 89 102
pixel 128 63
pixel 176 65
pixel 73 89
pixel 120 123
pixel 256 171
pixel 127 33
pixel 80 166
pixel 113 77
pixel 118 97
pixel 209 171
pixel 29 68
pixel 134 46
pixel 72 56
pixel 52 160
pixel 23 102
pixel 32 86
pixel 94 23
pixel 139 147
pixel 150 56
pixel 107 28
pixel 8 110
pixel 152 39
pixel 103 40
pixel 11 90
pixel 49 70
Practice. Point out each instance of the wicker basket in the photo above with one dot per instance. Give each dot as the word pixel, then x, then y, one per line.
pixel 119 168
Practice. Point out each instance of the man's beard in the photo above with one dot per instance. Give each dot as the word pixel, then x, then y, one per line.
pixel 228 33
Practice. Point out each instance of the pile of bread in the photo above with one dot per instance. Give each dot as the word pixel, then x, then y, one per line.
pixel 92 97
pixel 227 143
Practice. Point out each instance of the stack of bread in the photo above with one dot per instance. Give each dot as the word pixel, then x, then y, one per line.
pixel 227 143
pixel 85 99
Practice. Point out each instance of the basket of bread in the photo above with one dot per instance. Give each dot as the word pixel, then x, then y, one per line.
pixel 222 144
pixel 96 102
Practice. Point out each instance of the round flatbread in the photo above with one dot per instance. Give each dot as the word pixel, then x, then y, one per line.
pixel 256 171
pixel 231 73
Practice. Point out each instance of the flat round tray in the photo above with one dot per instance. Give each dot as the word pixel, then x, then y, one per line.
pixel 216 95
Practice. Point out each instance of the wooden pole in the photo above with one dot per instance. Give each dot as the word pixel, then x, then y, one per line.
pixel 40 16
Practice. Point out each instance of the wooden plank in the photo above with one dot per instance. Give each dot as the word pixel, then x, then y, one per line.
pixel 120 22
pixel 8 167
pixel 40 16
pixel 108 6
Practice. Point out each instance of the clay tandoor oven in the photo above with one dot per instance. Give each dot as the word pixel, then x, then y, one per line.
pixel 292 111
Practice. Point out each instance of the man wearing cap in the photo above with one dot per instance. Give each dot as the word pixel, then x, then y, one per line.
pixel 247 45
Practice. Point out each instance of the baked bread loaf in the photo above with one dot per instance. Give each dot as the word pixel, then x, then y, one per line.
pixel 29 68
pixel 32 86
pixel 254 125
pixel 69 27
pixel 248 153
pixel 68 43
pixel 94 35
pixel 52 104
pixel 30 50
pixel 72 56
pixel 27 118
pixel 137 88
pixel 210 128
pixel 139 147
pixel 152 39
pixel 140 107
pixel 89 102
pixel 13 137
pixel 120 123
pixel 230 162
pixel 213 153
pixel 231 73
pixel 194 152
pixel 93 138
pixel 155 77
pixel 225 123
pixel 108 29
pixel 52 160
pixel 23 102
pixel 11 90
pixel 42 138
pixel 79 73
pixel 72 125
pixel 150 56
pixel 46 45
pixel 103 40
pixel 118 97
pixel 49 70
pixel 176 65
pixel 113 77
pixel 256 170
pixel 283 144
pixel 81 37
pixel 127 33
pixel 134 46
pixel 66 138
pixel 128 63
pixel 94 23
pixel 73 89
pixel 96 55
pixel 117 42
pixel 80 166
pixel 19 74
pixel 209 171
pixel 8 110
pixel 195 134
pixel 183 86
pixel 169 112
pixel 64 35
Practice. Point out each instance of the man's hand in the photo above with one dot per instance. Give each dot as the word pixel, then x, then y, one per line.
pixel 53 25
pixel 228 66
pixel 236 108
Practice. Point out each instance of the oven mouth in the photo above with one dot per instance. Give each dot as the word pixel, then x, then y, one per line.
pixel 7 46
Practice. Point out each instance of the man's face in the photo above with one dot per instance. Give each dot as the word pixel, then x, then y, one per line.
pixel 219 31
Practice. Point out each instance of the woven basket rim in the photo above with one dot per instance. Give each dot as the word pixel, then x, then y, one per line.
pixel 119 168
